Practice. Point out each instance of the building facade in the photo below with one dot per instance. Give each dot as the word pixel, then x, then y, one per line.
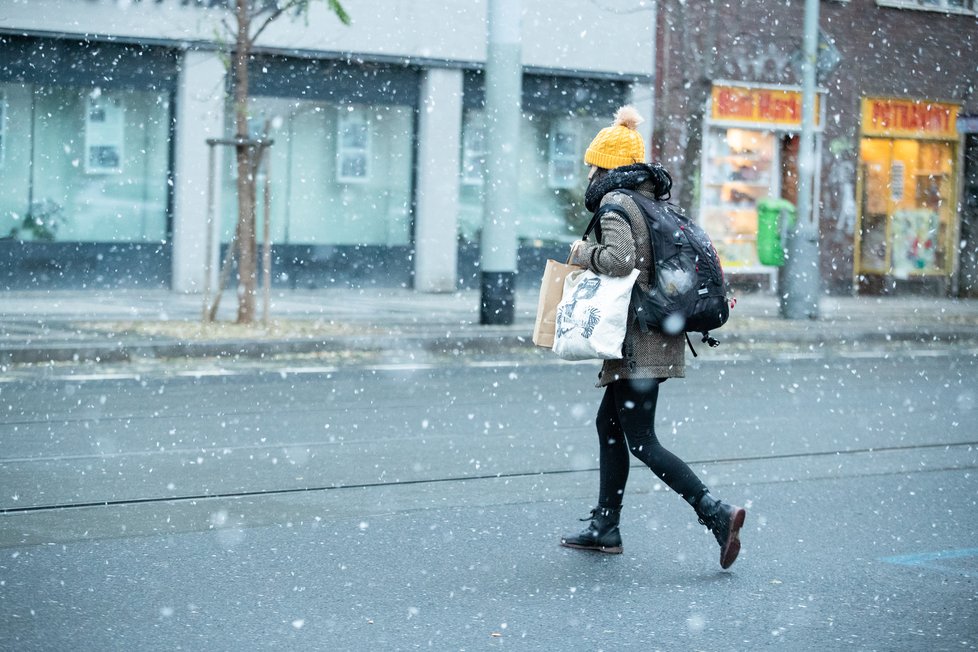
pixel 895 143
pixel 377 171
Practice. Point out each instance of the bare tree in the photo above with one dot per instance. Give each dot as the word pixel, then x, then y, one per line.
pixel 694 30
pixel 251 18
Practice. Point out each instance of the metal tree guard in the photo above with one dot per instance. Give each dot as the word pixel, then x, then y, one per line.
pixel 259 145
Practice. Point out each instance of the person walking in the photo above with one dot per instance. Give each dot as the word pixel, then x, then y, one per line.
pixel 626 416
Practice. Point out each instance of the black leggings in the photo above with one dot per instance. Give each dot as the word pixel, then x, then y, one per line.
pixel 626 423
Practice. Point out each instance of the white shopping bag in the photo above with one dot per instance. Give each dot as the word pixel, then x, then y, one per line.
pixel 592 316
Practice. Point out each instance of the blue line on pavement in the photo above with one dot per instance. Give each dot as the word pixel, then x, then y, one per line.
pixel 928 559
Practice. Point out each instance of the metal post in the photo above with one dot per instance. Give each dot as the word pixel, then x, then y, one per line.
pixel 267 238
pixel 800 299
pixel 208 254
pixel 504 74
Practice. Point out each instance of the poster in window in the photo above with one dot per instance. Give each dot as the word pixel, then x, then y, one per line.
pixel 915 238
pixel 353 152
pixel 104 128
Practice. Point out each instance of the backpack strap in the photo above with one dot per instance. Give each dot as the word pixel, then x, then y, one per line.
pixel 595 223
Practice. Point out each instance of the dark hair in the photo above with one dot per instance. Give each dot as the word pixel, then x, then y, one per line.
pixel 662 181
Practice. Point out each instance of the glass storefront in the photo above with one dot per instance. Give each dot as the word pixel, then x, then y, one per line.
pixel 560 116
pixel 907 175
pixel 341 173
pixel 341 170
pixel 83 164
pixel 750 152
pixel 553 176
pixel 741 169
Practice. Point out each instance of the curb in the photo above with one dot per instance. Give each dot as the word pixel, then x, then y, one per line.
pixel 398 343
pixel 254 349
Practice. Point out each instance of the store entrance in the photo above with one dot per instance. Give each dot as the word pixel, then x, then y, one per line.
pixel 741 167
pixel 907 208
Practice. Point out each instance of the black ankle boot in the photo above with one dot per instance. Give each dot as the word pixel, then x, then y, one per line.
pixel 601 535
pixel 725 522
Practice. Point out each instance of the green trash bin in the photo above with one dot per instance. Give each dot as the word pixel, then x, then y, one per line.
pixel 774 218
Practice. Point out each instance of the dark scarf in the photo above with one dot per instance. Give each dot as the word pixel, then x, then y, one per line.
pixel 629 177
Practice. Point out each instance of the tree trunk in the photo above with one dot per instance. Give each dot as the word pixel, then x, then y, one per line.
pixel 247 268
pixel 692 152
pixel 700 56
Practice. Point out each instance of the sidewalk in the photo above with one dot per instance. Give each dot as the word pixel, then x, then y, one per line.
pixel 119 325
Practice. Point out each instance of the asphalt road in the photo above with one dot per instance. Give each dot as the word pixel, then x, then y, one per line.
pixel 397 507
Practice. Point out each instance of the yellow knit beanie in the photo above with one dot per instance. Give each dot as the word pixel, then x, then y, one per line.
pixel 618 144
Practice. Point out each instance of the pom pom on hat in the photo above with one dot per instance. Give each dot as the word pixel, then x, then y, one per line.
pixel 620 144
pixel 627 116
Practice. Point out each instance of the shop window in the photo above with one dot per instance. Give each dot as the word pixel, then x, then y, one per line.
pixel 944 6
pixel 353 146
pixel 84 165
pixel 907 206
pixel 361 195
pixel 104 133
pixel 474 151
pixel 739 169
pixel 564 160
pixel 551 204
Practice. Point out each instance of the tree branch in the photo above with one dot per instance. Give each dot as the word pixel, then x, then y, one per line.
pixel 227 28
pixel 274 15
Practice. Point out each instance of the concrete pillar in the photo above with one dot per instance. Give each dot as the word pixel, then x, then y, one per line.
pixel 436 222
pixel 199 116
pixel 504 82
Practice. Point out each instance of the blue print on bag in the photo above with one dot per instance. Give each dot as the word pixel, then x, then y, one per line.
pixel 568 321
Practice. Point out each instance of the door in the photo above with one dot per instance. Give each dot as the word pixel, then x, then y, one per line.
pixel 906 208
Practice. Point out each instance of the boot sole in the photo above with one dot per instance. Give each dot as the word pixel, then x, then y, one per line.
pixel 610 550
pixel 728 555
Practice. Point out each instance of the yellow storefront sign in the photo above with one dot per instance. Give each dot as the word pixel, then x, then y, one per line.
pixel 896 118
pixel 743 104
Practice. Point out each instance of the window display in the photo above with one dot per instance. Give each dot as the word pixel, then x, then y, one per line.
pixel 341 173
pixel 353 146
pixel 739 170
pixel 104 126
pixel 84 164
pixel 907 207
pixel 553 176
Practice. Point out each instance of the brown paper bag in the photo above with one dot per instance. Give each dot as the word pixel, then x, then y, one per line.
pixel 551 289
